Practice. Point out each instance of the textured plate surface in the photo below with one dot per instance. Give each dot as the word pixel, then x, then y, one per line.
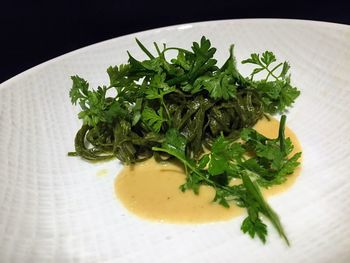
pixel 56 209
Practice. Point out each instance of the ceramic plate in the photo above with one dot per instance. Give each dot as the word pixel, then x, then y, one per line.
pixel 55 208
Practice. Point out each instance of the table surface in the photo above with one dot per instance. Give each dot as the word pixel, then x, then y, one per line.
pixel 35 32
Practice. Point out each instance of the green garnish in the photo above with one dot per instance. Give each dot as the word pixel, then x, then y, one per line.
pixel 269 165
pixel 175 108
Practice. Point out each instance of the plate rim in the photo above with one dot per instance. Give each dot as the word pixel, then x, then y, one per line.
pixel 181 26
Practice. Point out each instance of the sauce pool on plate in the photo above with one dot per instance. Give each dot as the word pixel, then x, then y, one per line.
pixel 151 189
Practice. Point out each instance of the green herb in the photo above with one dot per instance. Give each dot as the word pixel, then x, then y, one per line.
pixel 275 89
pixel 270 161
pixel 228 160
pixel 176 107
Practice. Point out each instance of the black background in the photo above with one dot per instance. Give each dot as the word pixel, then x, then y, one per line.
pixel 35 31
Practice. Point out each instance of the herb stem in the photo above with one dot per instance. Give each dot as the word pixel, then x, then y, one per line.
pixel 166 110
pixel 270 72
pixel 144 49
pixel 254 190
pixel 186 164
pixel 157 48
pixel 281 135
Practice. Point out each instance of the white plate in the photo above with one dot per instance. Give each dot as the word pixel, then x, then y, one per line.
pixel 54 208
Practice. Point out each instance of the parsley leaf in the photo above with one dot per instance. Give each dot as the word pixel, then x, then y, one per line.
pixel 277 95
pixel 263 63
pixel 203 61
pixel 222 156
pixel 253 225
pixel 270 161
pixel 158 88
pixel 79 90
pixel 221 85
pixel 94 104
pixel 153 119
pixel 175 143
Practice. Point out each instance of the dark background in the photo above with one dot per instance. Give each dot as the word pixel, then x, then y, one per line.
pixel 35 31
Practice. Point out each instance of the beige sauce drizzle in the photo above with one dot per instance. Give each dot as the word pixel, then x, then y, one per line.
pixel 151 190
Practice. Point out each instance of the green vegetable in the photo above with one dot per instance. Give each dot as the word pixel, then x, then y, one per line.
pixel 175 108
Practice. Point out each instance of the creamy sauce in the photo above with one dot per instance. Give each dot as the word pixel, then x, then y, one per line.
pixel 151 190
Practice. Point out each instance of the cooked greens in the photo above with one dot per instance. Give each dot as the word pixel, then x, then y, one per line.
pixel 176 108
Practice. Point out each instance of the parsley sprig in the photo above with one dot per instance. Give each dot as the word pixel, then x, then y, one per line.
pixel 276 91
pixel 228 160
